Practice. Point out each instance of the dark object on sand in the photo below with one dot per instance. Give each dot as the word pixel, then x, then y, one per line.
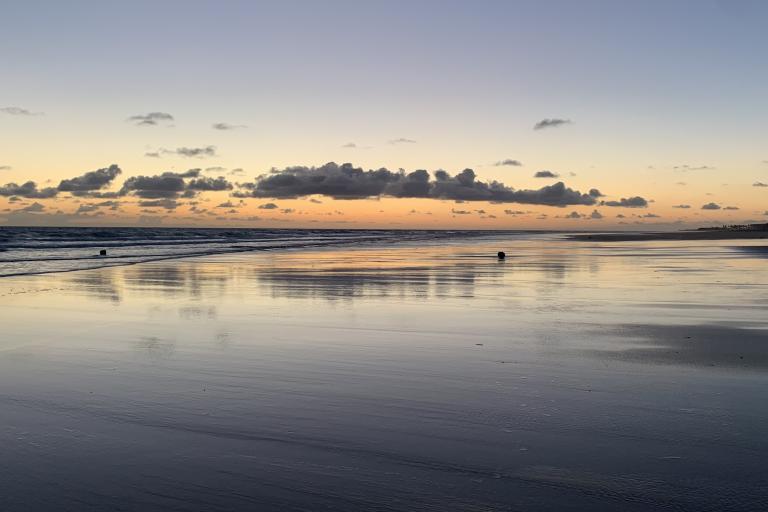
pixel 103 252
pixel 501 255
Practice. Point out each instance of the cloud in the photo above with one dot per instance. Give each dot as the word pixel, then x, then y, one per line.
pixel 168 204
pixel 595 193
pixel 402 140
pixel 165 185
pixel 92 207
pixel 692 168
pixel 316 201
pixel 226 126
pixel 627 202
pixel 650 216
pixel 759 184
pixel 508 161
pixel 546 174
pixel 32 208
pixel 596 215
pixel 196 152
pixel 731 208
pixel 90 181
pixel 515 212
pixel 349 145
pixel 460 212
pixel 348 182
pixel 236 172
pixel 5 167
pixel 573 215
pixel 151 119
pixel 28 190
pixel 152 154
pixel 682 206
pixel 710 206
pixel 550 123
pixel 18 111
pixel 209 184
pixel 268 206
pixel 228 204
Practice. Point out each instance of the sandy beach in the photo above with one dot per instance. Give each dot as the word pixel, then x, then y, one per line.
pixel 570 376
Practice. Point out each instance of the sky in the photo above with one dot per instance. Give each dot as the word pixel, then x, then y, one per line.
pixel 569 115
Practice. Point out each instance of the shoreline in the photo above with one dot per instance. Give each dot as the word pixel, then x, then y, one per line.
pixel 669 235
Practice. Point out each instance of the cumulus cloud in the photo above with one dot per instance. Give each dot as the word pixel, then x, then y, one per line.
pixel 573 215
pixel 402 140
pixel 268 206
pixel 92 207
pixel 759 184
pixel 209 184
pixel 596 215
pixel 550 123
pixel 165 185
pixel 27 190
pixel 546 174
pixel 227 126
pixel 710 206
pixel 18 111
pixel 151 119
pixel 348 182
pixel 90 181
pixel 627 202
pixel 508 161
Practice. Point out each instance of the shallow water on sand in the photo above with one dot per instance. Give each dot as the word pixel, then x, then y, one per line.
pixel 571 376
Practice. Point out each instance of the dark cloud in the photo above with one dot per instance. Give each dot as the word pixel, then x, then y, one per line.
pixel 217 169
pixel 595 215
pixel 546 174
pixel 515 212
pixel 402 140
pixel 209 184
pixel 165 185
pixel 168 204
pixel 508 161
pixel 18 111
pixel 650 216
pixel 731 208
pixel 710 206
pixel 682 206
pixel 595 193
pixel 573 215
pixel 460 212
pixel 550 123
pixel 151 119
pixel 27 190
pixel 627 202
pixel 759 184
pixel 268 206
pixel 348 182
pixel 90 181
pixel 316 201
pixel 226 126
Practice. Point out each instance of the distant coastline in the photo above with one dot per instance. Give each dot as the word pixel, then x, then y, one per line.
pixel 733 232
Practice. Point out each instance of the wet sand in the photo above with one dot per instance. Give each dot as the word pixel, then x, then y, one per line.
pixel 569 377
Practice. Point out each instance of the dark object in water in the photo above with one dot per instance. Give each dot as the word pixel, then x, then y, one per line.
pixel 501 255
pixel 103 252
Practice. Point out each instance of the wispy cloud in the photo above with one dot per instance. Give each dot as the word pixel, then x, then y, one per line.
pixel 151 119
pixel 508 161
pixel 550 123
pixel 402 140
pixel 227 126
pixel 18 111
